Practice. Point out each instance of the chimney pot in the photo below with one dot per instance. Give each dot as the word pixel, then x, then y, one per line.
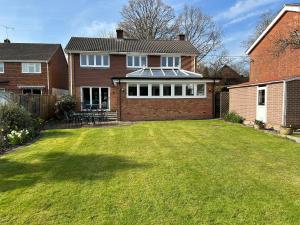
pixel 181 37
pixel 6 41
pixel 120 34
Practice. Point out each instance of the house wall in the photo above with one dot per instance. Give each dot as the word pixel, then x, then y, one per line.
pixel 58 71
pixel 243 102
pixel 13 74
pixel 274 105
pixel 265 64
pixel 293 103
pixel 166 109
pixel 102 77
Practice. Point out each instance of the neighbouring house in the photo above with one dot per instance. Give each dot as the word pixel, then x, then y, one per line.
pixel 228 76
pixel 139 79
pixel 30 68
pixel 273 93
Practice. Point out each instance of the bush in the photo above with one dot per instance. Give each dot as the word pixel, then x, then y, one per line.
pixel 233 118
pixel 66 103
pixel 17 126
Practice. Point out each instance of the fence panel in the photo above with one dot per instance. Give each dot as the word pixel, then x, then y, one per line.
pixel 38 105
pixel 224 103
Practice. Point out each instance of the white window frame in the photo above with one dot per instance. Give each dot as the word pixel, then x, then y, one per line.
pixel 32 88
pixel 3 66
pixel 26 65
pixel 161 96
pixel 140 61
pixel 95 65
pixel 100 101
pixel 167 64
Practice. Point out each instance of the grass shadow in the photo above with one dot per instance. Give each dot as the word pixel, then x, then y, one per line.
pixel 58 166
pixel 57 134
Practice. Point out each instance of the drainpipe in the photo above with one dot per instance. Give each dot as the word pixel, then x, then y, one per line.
pixel 120 99
pixel 284 104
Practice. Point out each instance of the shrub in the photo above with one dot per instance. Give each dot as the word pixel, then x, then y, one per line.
pixel 17 126
pixel 14 117
pixel 233 117
pixel 66 103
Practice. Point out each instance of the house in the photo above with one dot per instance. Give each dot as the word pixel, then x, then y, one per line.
pixel 273 93
pixel 228 76
pixel 30 68
pixel 139 79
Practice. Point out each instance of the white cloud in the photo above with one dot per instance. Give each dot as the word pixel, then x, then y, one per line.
pixel 242 7
pixel 98 28
pixel 245 17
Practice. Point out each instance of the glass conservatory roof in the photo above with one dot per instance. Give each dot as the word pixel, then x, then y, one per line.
pixel 163 73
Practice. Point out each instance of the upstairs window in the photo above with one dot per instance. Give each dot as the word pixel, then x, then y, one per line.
pixel 137 61
pixel 1 67
pixel 31 67
pixel 94 60
pixel 170 61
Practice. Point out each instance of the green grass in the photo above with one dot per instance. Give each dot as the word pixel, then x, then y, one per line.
pixel 181 172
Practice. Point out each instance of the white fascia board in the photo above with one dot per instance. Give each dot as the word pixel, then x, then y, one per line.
pixel 128 53
pixel 286 8
pixel 163 81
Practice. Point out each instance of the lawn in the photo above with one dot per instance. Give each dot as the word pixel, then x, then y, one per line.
pixel 180 172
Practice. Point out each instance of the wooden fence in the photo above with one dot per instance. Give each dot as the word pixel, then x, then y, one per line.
pixel 38 105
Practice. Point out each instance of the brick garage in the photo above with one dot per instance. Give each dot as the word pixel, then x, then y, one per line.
pixel 282 104
pixel 166 109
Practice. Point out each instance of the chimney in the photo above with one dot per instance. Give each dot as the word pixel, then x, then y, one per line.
pixel 7 41
pixel 181 37
pixel 120 34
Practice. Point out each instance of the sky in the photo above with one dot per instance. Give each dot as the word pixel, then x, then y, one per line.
pixel 55 21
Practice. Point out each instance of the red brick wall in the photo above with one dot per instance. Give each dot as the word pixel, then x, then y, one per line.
pixel 102 77
pixel 13 74
pixel 166 109
pixel 293 103
pixel 265 65
pixel 58 70
pixel 243 102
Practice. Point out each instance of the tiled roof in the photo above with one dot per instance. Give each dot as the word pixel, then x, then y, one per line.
pixel 27 51
pixel 77 44
pixel 163 73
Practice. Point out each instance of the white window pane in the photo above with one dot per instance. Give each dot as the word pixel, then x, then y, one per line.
pixel 190 90
pixel 129 60
pixel 176 61
pixel 98 60
pixel 37 68
pixel 155 90
pixel 167 90
pixel 200 89
pixel 136 61
pixel 132 90
pixel 31 68
pixel 1 67
pixel 83 60
pixel 163 61
pixel 170 61
pixel 144 90
pixel 178 90
pixel 105 60
pixel 91 60
pixel 144 60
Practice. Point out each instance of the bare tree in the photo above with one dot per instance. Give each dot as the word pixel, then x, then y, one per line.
pixel 216 62
pixel 148 19
pixel 263 22
pixel 292 40
pixel 199 29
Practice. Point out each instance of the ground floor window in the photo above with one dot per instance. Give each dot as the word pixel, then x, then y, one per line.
pixel 95 98
pixel 32 91
pixel 166 90
pixel 2 90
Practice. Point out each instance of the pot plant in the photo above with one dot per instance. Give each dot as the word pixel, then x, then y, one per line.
pixel 259 125
pixel 286 130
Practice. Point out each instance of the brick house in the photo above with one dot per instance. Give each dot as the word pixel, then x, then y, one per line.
pixel 29 68
pixel 139 79
pixel 273 93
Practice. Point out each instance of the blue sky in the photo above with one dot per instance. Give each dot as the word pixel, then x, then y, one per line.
pixel 56 21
